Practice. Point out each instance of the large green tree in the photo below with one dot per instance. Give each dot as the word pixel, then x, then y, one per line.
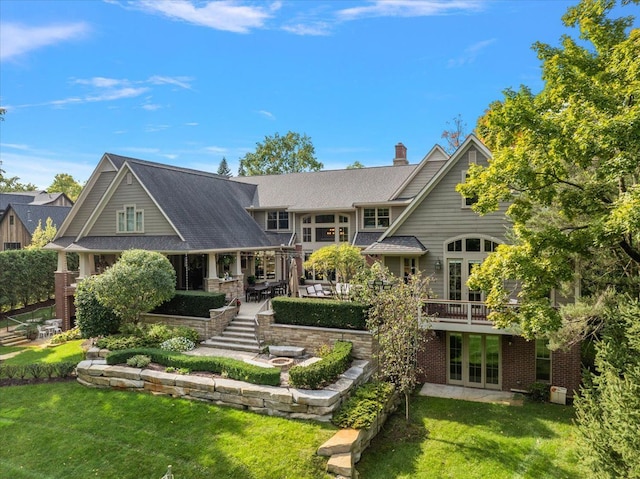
pixel 567 159
pixel 344 259
pixel 138 282
pixel 291 153
pixel 65 183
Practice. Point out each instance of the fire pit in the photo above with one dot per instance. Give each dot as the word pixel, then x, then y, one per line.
pixel 283 363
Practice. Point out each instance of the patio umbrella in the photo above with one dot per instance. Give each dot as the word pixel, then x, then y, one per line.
pixel 293 278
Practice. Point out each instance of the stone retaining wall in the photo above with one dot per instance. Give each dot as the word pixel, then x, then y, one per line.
pixel 289 402
pixel 312 338
pixel 206 327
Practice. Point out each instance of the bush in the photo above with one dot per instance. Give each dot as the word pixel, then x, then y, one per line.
pixel 178 344
pixel 228 367
pixel 93 319
pixel 364 406
pixel 65 336
pixel 323 313
pixel 191 303
pixel 119 342
pixel 37 370
pixel 138 361
pixel 324 371
pixel 539 392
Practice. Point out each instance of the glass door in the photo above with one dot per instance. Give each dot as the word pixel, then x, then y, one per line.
pixel 473 360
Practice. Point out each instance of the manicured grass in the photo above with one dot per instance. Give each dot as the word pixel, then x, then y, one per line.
pixel 461 439
pixel 69 351
pixel 65 430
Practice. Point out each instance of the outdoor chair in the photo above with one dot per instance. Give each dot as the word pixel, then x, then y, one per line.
pixel 311 291
pixel 42 332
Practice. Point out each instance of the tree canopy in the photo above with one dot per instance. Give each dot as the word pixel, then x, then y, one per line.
pixel 11 184
pixel 567 161
pixel 41 236
pixel 291 153
pixel 65 183
pixel 138 282
pixel 455 135
pixel 344 259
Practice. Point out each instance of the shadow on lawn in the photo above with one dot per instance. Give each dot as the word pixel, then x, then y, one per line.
pixel 499 440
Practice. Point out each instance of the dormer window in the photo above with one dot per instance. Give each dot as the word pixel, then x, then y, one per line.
pixel 277 220
pixel 376 217
pixel 130 220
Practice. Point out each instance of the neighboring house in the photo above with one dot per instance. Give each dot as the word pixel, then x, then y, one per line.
pixel 408 216
pixel 21 212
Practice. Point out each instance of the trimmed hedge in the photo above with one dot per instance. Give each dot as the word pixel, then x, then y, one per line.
pixel 323 313
pixel 364 406
pixel 191 303
pixel 324 371
pixel 228 367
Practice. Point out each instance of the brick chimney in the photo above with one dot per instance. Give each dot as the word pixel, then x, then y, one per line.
pixel 401 155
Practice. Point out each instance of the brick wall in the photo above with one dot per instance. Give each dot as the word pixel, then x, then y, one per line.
pixel 433 358
pixel 518 363
pixel 566 369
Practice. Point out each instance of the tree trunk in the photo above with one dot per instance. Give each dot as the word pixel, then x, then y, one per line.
pixel 406 406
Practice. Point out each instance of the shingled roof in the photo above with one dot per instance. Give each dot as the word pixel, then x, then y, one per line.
pixel 327 189
pixel 31 214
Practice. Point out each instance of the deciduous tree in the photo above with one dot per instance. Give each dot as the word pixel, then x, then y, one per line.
pixel 455 135
pixel 396 320
pixel 42 236
pixel 138 282
pixel 291 153
pixel 344 259
pixel 65 183
pixel 567 161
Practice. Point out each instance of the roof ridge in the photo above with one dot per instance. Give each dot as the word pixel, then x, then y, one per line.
pixel 165 166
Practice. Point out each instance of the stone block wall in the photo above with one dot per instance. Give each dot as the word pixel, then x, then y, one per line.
pixel 312 338
pixel 289 402
pixel 206 327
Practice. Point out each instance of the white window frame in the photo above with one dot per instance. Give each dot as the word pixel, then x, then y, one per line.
pixel 377 217
pixel 279 217
pixel 467 203
pixel 341 222
pixel 138 226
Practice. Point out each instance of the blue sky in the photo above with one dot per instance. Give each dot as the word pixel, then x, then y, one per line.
pixel 188 82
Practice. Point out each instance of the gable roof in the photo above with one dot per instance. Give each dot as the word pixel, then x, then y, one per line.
pixel 397 245
pixel 327 189
pixel 441 173
pixel 15 198
pixel 207 211
pixel 31 214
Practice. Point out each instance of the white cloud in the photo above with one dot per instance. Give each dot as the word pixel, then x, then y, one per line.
pixel 226 15
pixel 409 8
pixel 470 53
pixel 192 123
pixel 267 114
pixel 16 39
pixel 40 167
pixel 151 106
pixel 215 149
pixel 312 29
pixel 182 82
pixel 155 128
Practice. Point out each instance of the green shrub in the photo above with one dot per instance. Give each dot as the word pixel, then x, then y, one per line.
pixel 64 368
pixel 192 303
pixel 364 405
pixel 65 336
pixel 138 361
pixel 232 368
pixel 118 342
pixel 93 319
pixel 36 370
pixel 178 344
pixel 539 392
pixel 324 371
pixel 323 313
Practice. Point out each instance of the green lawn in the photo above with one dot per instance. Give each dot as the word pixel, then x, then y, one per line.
pixel 65 430
pixel 69 351
pixel 461 439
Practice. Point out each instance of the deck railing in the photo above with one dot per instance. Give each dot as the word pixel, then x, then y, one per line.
pixel 468 312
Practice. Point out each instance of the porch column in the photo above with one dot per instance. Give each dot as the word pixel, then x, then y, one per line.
pixel 85 265
pixel 62 262
pixel 212 283
pixel 238 271
pixel 213 265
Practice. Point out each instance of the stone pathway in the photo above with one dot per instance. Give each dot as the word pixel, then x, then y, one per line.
pixel 471 394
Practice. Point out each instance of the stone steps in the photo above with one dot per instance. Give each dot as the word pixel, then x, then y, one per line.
pixel 239 335
pixel 13 339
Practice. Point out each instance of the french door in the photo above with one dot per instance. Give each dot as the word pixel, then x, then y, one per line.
pixel 459 271
pixel 473 360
